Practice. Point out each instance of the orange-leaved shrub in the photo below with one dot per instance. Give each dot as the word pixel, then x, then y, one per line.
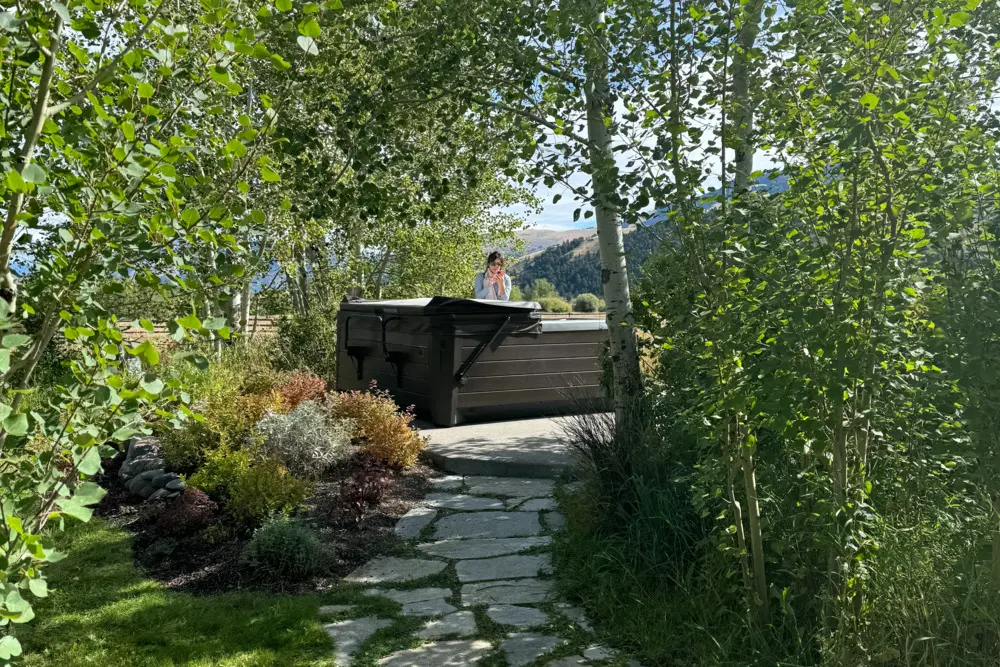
pixel 298 387
pixel 383 429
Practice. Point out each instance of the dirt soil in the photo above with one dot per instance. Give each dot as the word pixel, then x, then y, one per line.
pixel 209 562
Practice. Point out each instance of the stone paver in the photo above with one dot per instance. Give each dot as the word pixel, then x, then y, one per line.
pixel 483 548
pixel 487 524
pixel 514 502
pixel 503 567
pixel 460 624
pixel 524 591
pixel 538 505
pixel 440 654
pixel 410 525
pixel 575 614
pixel 395 570
pixel 598 653
pixel 554 521
pixel 420 601
pixel 331 609
pixel 523 618
pixel 523 648
pixel 348 636
pixel 572 661
pixel 446 483
pixel 460 501
pixel 509 487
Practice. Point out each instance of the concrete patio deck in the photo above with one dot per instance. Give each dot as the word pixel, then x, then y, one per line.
pixel 534 448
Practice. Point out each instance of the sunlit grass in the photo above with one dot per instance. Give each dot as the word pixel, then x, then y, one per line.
pixel 103 611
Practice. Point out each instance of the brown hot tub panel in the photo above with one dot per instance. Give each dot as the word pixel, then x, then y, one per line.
pixel 459 360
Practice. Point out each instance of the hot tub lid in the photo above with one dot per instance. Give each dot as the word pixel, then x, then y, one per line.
pixel 553 326
pixel 441 305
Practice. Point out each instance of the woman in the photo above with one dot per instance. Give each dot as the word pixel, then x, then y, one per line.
pixel 493 284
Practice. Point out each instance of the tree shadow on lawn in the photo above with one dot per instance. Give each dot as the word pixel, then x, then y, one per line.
pixel 103 610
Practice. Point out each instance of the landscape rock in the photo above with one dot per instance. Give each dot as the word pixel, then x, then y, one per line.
pixel 349 635
pixel 160 481
pixel 461 624
pixel 576 615
pixel 462 502
pixel 483 548
pixel 435 607
pixel 146 492
pixel 525 647
pixel 488 524
pixel 176 484
pixel 523 618
pixel 415 595
pixel 136 485
pixel 509 487
pixel 411 523
pixel 503 567
pixel 160 494
pixel 150 475
pixel 571 661
pixel 395 570
pixel 440 654
pixel 524 591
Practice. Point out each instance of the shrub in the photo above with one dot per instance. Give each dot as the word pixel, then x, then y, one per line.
pixel 541 289
pixel 309 341
pixel 553 304
pixel 304 441
pixel 364 489
pixel 298 387
pixel 187 514
pixel 516 294
pixel 586 303
pixel 222 468
pixel 228 420
pixel 266 488
pixel 383 427
pixel 284 550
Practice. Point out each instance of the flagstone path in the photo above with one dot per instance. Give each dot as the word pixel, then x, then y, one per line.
pixel 475 589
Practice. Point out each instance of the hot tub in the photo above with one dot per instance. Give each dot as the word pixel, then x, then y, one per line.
pixel 463 360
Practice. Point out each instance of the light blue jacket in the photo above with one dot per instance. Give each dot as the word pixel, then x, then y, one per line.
pixel 484 291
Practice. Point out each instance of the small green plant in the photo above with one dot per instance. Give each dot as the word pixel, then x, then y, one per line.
pixel 553 304
pixel 587 303
pixel 266 488
pixel 285 550
pixel 305 441
pixel 220 473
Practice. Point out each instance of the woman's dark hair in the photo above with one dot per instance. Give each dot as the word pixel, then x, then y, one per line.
pixel 495 256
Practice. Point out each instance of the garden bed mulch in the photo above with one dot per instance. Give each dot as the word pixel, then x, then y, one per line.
pixel 209 562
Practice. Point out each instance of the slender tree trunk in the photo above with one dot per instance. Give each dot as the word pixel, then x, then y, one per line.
pixel 614 270
pixel 741 539
pixel 8 284
pixel 748 448
pixel 245 298
pixel 743 77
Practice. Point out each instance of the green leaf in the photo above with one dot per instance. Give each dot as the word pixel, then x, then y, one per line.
pixel 16 425
pixel 869 100
pixel 15 182
pixel 15 340
pixel 33 174
pixel 189 321
pixel 15 524
pixel 38 587
pixel 128 129
pixel 4 361
pixel 9 647
pixel 154 386
pixel 215 323
pixel 90 463
pixel 310 28
pixel 308 45
pixel 283 5
pixel 958 19
pixel 269 175
pixel 145 90
pixel 146 352
pixel 147 325
pixel 5 411
pixel 236 147
pixel 62 11
pixel 89 493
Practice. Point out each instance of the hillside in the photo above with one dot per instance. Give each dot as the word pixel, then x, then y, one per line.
pixel 573 266
pixel 536 240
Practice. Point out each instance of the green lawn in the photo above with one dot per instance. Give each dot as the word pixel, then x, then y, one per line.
pixel 103 611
